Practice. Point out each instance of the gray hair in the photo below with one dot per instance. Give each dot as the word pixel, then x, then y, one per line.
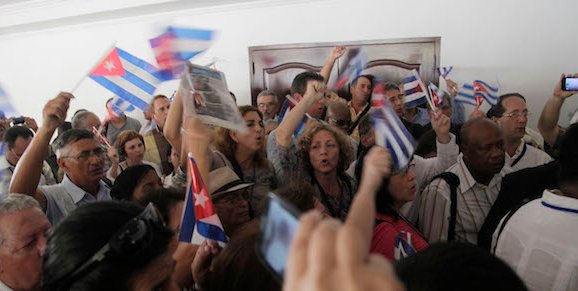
pixel 268 93
pixel 16 202
pixel 79 119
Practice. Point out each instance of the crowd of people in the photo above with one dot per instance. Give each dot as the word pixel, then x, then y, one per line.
pixel 485 202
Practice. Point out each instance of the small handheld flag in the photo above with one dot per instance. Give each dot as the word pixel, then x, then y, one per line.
pixel 436 96
pixel 351 69
pixel 174 47
pixel 444 71
pixel 6 106
pixel 415 90
pixel 485 91
pixel 127 76
pixel 390 131
pixel 199 210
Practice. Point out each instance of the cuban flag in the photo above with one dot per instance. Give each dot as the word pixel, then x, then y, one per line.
pixel 443 72
pixel 485 91
pixel 415 90
pixel 390 131
pixel 118 106
pixel 466 96
pixel 351 69
pixel 199 211
pixel 436 95
pixel 286 107
pixel 6 107
pixel 174 47
pixel 127 76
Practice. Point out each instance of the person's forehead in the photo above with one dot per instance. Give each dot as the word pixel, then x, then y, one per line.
pixel 392 92
pixel 23 223
pixel 85 144
pixel 161 102
pixel 485 133
pixel 266 98
pixel 363 80
pixel 513 103
pixel 323 135
pixel 251 115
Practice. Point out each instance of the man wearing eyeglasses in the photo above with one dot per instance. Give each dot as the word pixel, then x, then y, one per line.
pixel 23 233
pixel 338 115
pixel 267 104
pixel 511 115
pixel 80 157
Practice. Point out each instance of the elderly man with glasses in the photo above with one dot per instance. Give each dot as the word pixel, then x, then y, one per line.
pixel 80 157
pixel 511 115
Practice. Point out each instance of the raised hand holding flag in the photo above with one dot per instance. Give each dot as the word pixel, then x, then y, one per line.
pixel 351 69
pixel 390 131
pixel 199 210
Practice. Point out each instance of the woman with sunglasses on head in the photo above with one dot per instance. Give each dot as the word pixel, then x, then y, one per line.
pixel 127 248
pixel 245 154
pixel 130 145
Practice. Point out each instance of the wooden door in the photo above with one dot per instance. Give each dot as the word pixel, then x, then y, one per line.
pixel 274 67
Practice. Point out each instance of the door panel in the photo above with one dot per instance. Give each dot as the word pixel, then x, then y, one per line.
pixel 274 67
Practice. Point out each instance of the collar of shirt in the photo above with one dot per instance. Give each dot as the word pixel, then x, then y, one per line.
pixel 352 110
pixel 467 181
pixel 3 287
pixel 555 200
pixel 517 152
pixel 78 194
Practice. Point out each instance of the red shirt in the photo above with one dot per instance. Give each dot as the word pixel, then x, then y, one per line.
pixel 396 239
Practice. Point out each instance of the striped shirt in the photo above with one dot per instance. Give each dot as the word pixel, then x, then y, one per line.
pixel 474 201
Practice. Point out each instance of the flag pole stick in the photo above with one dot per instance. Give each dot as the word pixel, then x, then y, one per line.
pixel 104 55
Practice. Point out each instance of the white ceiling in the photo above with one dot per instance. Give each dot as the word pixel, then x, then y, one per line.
pixel 18 16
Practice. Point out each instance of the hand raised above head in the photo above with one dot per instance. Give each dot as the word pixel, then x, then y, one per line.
pixel 54 112
pixel 326 255
pixel 441 125
pixel 558 92
pixel 452 87
pixel 337 52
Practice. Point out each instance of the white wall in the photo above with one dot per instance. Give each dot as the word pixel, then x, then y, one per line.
pixel 526 45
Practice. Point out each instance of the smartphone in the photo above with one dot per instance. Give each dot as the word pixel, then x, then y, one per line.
pixel 570 84
pixel 278 226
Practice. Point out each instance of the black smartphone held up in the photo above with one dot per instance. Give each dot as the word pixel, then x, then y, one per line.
pixel 278 226
pixel 570 84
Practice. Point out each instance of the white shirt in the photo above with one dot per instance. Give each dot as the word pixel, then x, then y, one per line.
pixel 540 243
pixel 3 287
pixel 527 156
pixel 474 201
pixel 425 170
pixel 7 170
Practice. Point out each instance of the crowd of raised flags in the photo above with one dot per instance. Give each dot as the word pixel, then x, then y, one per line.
pixel 134 82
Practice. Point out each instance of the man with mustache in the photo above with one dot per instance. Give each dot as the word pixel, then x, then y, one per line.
pixel 480 169
pixel 80 157
pixel 511 115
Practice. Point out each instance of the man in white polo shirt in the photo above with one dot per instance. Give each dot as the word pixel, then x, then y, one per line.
pixel 539 240
pixel 511 114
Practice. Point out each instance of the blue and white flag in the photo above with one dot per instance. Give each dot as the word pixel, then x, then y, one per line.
pixel 174 47
pixel 466 95
pixel 444 71
pixel 390 131
pixel 351 69
pixel 415 90
pixel 6 107
pixel 129 77
pixel 118 106
pixel 485 91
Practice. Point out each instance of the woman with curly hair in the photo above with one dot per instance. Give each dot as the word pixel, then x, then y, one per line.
pixel 324 153
pixel 245 154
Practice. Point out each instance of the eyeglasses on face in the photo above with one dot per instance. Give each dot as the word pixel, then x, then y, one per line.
pixel 85 155
pixel 403 171
pixel 516 114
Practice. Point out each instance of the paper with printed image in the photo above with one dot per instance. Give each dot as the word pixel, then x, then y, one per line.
pixel 205 94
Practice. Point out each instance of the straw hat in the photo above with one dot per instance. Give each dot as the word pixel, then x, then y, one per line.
pixel 224 180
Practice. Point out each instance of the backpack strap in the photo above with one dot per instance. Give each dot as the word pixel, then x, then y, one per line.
pixel 509 215
pixel 453 181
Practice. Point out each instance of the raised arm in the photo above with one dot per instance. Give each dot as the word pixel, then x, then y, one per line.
pixel 197 139
pixel 335 54
pixel 548 122
pixel 29 168
pixel 315 92
pixel 172 128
